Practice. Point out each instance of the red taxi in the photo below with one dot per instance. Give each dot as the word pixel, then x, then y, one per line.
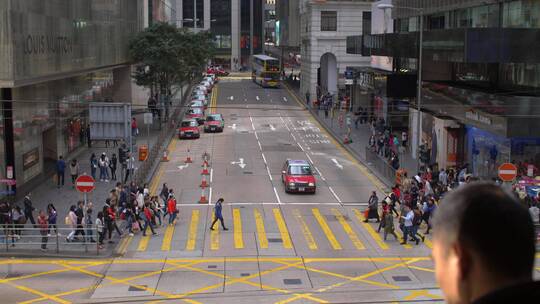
pixel 298 176
pixel 189 128
pixel 197 114
pixel 214 123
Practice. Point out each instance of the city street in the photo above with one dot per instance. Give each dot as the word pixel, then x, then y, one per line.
pixel 280 247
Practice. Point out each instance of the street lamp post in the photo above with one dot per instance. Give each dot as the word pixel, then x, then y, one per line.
pixel 420 10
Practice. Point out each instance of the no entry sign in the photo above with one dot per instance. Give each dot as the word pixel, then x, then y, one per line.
pixel 85 183
pixel 507 172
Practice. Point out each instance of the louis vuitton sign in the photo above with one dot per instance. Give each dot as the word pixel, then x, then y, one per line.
pixel 44 44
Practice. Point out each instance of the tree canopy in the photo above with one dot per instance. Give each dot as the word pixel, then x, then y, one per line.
pixel 168 55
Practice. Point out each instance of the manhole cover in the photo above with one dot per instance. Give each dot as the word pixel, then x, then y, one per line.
pixel 135 288
pixel 275 240
pixel 244 274
pixel 212 266
pixel 292 281
pixel 401 278
pixel 248 172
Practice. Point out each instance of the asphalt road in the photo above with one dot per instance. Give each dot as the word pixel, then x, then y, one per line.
pixel 280 248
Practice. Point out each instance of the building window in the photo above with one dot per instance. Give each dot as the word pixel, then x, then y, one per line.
pixel 366 23
pixel 328 21
pixel 521 14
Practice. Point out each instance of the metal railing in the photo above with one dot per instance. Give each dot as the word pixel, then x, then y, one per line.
pixel 381 165
pixel 16 237
pixel 140 175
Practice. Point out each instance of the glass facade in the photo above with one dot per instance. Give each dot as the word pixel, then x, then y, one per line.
pixel 40 38
pixel 521 14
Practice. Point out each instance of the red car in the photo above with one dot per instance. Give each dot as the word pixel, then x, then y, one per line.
pixel 297 176
pixel 197 114
pixel 189 128
pixel 218 71
pixel 214 123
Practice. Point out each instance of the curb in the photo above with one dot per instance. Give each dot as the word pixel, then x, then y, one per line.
pixel 355 154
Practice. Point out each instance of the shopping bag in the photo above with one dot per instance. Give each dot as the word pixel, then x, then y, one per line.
pixel 135 226
pixel 366 213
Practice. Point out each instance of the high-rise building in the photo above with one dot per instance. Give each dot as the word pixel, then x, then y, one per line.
pixel 55 58
pixel 236 25
pixel 480 79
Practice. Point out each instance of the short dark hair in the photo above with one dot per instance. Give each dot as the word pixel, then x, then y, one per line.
pixel 491 221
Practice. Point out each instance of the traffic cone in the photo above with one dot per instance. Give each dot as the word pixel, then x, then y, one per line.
pixel 347 140
pixel 205 170
pixel 204 184
pixel 203 199
pixel 165 157
pixel 188 159
pixel 205 162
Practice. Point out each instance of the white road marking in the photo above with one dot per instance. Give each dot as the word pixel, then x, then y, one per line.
pixel 256 136
pixel 257 97
pixel 209 195
pixel 260 147
pixel 272 127
pixel 182 167
pixel 311 160
pixel 301 148
pixel 269 174
pixel 337 163
pixel 232 127
pixel 320 174
pixel 284 98
pixel 334 193
pixel 294 137
pixel 252 125
pixel 231 98
pixel 240 163
pixel 264 158
pixel 211 175
pixel 277 196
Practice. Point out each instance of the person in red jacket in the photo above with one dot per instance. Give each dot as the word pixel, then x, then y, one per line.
pixel 171 209
pixel 147 217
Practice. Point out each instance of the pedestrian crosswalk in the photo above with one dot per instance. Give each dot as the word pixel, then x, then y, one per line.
pixel 271 228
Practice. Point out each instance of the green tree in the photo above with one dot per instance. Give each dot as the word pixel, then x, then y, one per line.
pixel 168 56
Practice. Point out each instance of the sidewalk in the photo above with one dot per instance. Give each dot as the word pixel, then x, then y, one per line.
pixel 63 197
pixel 360 139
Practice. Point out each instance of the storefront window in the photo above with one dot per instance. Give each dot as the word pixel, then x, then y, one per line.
pixel 521 14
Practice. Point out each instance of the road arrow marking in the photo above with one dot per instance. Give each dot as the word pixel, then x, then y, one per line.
pixel 257 97
pixel 337 164
pixel 272 128
pixel 182 167
pixel 232 127
pixel 240 163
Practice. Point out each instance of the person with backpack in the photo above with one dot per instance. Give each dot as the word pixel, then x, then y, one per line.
pixel 52 216
pixel 60 170
pixel 147 216
pixel 417 220
pixel 93 165
pixel 427 212
pixel 43 229
pixel 389 226
pixel 218 214
pixel 29 209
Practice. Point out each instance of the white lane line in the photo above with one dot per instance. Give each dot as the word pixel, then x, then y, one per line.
pixel 294 137
pixel 277 196
pixel 264 158
pixel 334 193
pixel 301 148
pixel 257 97
pixel 209 195
pixel 211 174
pixel 284 98
pixel 252 125
pixel 320 174
pixel 260 147
pixel 269 175
pixel 311 160
pixel 256 136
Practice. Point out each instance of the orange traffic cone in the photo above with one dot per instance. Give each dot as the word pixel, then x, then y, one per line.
pixel 205 162
pixel 188 159
pixel 203 199
pixel 347 140
pixel 205 170
pixel 204 184
pixel 165 157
